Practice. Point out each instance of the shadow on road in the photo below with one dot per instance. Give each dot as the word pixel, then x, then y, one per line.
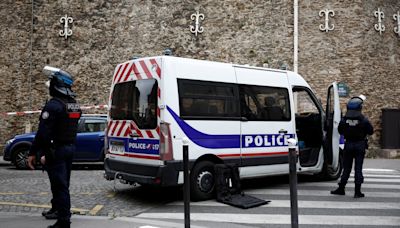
pixel 75 166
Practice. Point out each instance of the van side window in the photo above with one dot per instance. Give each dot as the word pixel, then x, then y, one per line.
pixel 137 101
pixel 264 103
pixel 304 104
pixel 199 99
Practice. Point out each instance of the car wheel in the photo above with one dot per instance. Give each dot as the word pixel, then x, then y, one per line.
pixel 21 157
pixel 202 181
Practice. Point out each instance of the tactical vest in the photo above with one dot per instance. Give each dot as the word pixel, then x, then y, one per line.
pixel 354 129
pixel 67 124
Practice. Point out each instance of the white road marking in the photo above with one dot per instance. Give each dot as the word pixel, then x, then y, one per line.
pixel 351 185
pixel 281 219
pixel 382 170
pixel 309 204
pixel 285 191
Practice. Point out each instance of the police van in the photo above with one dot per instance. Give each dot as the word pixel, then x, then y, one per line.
pixel 229 113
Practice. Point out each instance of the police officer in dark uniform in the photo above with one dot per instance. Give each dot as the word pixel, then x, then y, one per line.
pixel 355 128
pixel 55 143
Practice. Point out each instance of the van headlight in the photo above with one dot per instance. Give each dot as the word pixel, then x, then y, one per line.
pixel 10 141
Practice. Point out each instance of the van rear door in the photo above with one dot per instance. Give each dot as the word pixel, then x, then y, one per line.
pixel 133 126
pixel 332 120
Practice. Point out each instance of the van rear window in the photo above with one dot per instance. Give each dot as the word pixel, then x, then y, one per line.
pixel 137 101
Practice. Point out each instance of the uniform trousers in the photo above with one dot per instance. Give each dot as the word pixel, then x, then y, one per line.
pixel 59 172
pixel 353 150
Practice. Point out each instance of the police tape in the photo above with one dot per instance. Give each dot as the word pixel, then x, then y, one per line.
pixel 23 113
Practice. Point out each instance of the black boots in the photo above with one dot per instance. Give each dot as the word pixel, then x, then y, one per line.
pixel 50 214
pixel 339 190
pixel 357 191
pixel 61 224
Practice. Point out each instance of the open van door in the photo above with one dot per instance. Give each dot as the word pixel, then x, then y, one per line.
pixel 332 120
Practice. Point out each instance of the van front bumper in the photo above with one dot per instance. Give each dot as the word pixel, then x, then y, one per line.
pixel 165 175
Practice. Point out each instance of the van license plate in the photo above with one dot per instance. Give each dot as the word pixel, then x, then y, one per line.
pixel 117 147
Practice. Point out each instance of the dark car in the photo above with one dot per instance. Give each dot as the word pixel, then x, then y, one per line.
pixel 89 142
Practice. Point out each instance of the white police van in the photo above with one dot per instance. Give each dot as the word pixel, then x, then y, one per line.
pixel 230 114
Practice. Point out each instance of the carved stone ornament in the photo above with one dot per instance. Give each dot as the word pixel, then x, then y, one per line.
pixel 197 28
pixel 396 29
pixel 326 27
pixel 67 31
pixel 380 15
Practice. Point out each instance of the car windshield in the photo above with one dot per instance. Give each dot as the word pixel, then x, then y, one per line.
pixel 137 101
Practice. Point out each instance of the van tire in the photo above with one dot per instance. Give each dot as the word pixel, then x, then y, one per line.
pixel 202 181
pixel 329 174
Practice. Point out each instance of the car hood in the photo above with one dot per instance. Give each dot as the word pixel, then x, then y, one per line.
pixel 27 135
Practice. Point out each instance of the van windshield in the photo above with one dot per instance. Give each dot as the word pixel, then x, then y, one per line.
pixel 137 101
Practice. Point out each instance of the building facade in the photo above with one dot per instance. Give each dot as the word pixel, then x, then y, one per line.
pixel 349 41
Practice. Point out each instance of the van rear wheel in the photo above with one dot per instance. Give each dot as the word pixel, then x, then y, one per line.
pixel 202 181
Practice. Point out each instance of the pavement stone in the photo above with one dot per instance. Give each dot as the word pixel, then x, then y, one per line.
pixel 26 220
pixel 89 189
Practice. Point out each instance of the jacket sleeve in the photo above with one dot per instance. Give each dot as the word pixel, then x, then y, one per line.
pixel 42 142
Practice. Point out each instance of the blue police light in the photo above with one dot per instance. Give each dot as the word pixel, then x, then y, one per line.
pixel 167 51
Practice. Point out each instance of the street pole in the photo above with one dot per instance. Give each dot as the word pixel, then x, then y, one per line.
pixel 293 183
pixel 186 184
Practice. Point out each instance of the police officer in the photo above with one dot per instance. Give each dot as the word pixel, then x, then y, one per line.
pixel 54 142
pixel 355 128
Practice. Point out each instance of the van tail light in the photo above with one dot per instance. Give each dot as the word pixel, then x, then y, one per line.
pixel 165 142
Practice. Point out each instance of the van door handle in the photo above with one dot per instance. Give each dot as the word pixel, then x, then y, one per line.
pixel 282 131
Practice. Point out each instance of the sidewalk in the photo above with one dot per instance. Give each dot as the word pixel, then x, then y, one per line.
pixel 18 220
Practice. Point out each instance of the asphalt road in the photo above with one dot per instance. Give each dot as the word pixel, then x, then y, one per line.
pixel 24 194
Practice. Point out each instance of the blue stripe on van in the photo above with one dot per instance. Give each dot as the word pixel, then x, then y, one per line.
pixel 230 141
pixel 205 140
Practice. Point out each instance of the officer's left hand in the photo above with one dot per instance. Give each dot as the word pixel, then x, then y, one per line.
pixel 43 160
pixel 31 161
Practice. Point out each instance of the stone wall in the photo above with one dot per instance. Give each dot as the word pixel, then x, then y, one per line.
pixel 255 32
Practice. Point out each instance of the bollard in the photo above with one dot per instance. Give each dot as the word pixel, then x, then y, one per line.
pixel 293 183
pixel 186 184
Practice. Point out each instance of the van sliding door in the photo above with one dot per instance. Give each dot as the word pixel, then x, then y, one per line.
pixel 266 122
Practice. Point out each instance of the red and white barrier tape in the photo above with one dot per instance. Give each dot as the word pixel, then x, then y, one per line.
pixel 38 111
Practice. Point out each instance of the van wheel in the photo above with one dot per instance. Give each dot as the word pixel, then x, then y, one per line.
pixel 202 181
pixel 330 174
pixel 21 157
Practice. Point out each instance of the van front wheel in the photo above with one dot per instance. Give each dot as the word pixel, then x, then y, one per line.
pixel 202 181
pixel 332 174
